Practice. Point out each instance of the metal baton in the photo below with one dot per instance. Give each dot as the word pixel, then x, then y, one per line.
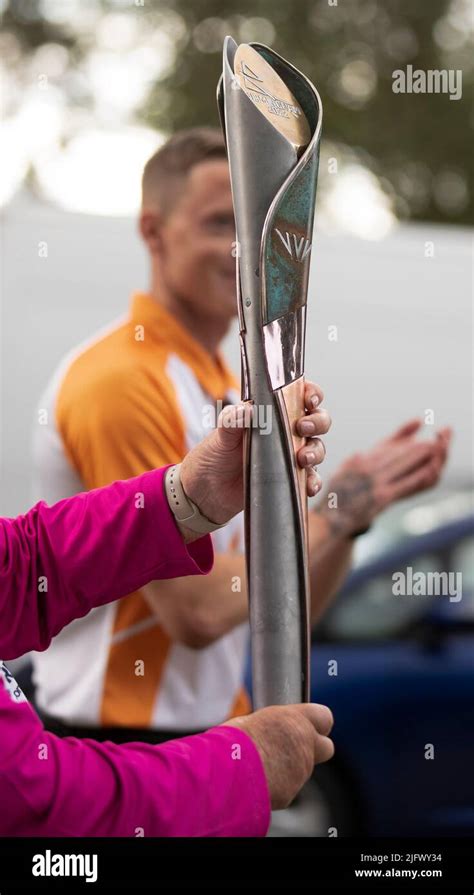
pixel 271 118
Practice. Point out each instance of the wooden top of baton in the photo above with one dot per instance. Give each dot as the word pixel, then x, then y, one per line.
pixel 272 97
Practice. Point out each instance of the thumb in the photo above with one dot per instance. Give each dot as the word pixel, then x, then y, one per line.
pixel 231 423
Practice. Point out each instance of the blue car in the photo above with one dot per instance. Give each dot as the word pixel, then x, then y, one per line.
pixel 394 659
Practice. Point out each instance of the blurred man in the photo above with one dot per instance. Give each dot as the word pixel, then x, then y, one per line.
pixel 169 659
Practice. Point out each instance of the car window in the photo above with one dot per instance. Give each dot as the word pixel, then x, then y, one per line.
pixel 383 606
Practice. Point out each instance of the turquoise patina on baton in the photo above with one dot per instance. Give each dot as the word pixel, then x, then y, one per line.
pixel 293 218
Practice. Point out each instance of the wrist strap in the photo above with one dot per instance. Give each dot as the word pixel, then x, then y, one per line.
pixel 183 509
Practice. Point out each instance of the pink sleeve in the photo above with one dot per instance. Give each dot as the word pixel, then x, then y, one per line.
pixel 58 562
pixel 211 784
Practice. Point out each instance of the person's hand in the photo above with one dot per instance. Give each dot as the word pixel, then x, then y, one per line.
pixel 398 466
pixel 212 473
pixel 291 740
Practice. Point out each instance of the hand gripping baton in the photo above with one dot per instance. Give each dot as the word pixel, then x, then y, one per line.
pixel 271 118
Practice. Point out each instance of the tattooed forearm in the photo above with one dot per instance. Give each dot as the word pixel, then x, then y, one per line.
pixel 350 505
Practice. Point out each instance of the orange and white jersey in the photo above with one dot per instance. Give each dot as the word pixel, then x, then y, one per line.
pixel 139 396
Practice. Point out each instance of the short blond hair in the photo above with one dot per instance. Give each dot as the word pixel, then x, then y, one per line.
pixel 166 171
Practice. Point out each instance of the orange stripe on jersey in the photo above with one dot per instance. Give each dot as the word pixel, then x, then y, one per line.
pixel 129 688
pixel 242 704
pixel 131 611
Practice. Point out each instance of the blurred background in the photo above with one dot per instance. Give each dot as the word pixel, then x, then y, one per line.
pixel 89 91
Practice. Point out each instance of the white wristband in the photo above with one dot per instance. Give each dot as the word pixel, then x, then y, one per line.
pixel 183 509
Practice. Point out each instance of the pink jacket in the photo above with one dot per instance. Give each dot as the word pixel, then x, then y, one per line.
pixel 56 563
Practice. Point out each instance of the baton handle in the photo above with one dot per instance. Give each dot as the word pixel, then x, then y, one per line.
pixel 276 549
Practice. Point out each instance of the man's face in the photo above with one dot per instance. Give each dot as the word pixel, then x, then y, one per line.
pixel 197 241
